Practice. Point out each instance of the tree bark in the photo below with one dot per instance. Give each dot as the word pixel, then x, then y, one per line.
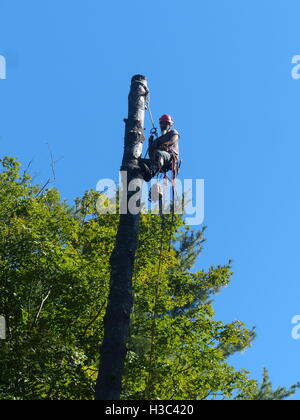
pixel 116 322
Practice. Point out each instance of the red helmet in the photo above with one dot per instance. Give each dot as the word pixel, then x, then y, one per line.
pixel 166 118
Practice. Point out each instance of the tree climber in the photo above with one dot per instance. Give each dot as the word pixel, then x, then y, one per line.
pixel 163 151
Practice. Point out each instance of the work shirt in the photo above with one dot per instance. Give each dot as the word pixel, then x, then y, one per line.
pixel 168 143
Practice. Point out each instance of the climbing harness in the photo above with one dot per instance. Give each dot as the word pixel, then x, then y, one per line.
pixel 175 162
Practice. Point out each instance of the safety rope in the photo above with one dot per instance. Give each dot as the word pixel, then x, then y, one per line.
pixel 153 130
pixel 174 169
pixel 154 315
pixel 156 298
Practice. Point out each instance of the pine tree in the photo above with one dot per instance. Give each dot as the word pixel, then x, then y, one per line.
pixel 265 389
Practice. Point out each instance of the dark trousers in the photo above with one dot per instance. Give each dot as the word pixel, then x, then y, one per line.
pixel 160 156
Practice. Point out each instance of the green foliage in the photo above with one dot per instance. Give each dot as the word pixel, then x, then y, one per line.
pixel 53 290
pixel 176 347
pixel 265 390
pixel 54 283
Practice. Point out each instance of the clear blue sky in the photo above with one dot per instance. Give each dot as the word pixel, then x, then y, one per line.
pixel 223 70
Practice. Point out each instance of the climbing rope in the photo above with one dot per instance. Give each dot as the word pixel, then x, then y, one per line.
pixel 154 315
pixel 153 327
pixel 174 169
pixel 153 130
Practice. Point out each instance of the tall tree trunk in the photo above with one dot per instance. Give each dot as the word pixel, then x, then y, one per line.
pixel 117 318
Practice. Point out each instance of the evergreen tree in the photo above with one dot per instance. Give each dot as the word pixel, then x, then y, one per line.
pixel 265 389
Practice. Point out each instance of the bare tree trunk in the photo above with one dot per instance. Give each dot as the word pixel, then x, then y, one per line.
pixel 117 318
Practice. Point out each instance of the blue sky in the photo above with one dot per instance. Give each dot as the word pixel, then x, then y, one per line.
pixel 222 69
